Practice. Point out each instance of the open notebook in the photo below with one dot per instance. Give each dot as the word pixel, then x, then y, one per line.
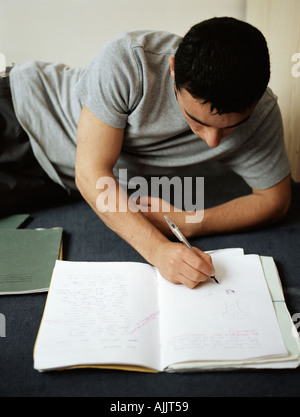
pixel 126 316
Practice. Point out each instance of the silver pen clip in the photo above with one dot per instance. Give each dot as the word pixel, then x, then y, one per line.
pixel 178 233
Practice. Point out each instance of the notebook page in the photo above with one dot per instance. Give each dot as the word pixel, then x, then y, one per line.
pixel 99 313
pixel 231 321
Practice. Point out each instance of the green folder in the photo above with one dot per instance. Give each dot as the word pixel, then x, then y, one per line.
pixel 13 222
pixel 27 259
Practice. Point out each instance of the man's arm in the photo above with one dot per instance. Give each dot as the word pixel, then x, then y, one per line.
pixel 260 208
pixel 98 148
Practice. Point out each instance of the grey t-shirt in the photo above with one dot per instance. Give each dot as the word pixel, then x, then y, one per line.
pixel 128 85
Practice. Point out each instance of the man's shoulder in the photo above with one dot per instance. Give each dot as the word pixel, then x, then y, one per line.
pixel 269 98
pixel 267 112
pixel 149 41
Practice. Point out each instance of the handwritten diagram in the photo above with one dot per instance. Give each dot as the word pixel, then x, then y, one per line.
pixel 233 309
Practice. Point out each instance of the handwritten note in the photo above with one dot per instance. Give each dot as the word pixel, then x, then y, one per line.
pixel 94 312
pixel 220 322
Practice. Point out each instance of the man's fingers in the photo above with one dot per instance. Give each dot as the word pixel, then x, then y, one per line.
pixel 179 264
pixel 191 268
pixel 201 262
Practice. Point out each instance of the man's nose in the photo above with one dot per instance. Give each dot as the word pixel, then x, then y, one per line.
pixel 213 137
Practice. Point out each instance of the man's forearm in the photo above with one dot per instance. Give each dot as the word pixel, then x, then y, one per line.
pixel 131 226
pixel 175 262
pixel 243 213
pixel 260 208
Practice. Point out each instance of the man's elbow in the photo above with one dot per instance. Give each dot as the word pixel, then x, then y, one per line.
pixel 281 207
pixel 276 201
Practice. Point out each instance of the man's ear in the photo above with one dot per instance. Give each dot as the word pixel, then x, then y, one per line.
pixel 172 66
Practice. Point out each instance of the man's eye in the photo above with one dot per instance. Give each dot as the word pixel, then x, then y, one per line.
pixel 196 122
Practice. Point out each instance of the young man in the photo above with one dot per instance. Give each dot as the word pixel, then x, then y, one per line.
pixel 155 104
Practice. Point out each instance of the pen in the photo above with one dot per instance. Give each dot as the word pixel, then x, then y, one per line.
pixel 182 239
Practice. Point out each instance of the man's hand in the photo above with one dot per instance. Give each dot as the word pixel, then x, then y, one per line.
pixel 179 265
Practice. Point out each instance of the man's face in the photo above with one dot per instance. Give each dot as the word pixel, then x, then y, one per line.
pixel 208 126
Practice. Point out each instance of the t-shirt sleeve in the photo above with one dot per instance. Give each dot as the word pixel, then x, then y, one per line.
pixel 262 160
pixel 110 85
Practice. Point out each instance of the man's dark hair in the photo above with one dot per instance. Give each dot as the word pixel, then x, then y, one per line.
pixel 225 62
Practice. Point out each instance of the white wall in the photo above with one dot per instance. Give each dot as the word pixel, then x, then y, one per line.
pixel 72 31
pixel 279 20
